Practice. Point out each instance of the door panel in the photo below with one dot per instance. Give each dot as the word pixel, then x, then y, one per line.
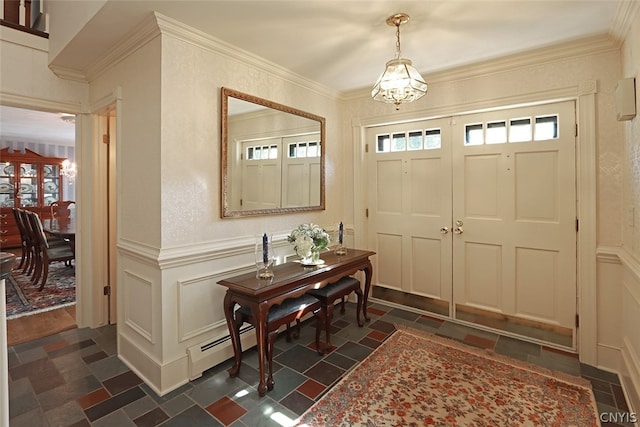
pixel 517 198
pixel 410 201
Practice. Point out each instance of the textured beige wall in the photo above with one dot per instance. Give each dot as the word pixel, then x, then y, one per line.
pixel 631 168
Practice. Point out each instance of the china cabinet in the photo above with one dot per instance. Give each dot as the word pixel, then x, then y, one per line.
pixel 28 181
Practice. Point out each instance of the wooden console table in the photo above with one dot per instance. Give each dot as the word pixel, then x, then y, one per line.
pixel 290 280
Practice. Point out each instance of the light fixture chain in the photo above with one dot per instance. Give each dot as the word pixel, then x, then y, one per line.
pixel 398 41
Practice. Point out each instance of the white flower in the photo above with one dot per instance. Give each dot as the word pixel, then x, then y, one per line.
pixel 304 246
pixel 308 238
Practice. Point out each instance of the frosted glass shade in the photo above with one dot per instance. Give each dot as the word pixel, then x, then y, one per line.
pixel 399 83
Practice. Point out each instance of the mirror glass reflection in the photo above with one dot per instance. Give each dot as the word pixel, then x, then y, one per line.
pixel 272 157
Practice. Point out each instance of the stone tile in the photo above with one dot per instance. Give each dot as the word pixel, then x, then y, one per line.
pixel 151 418
pixel 516 348
pixel 312 389
pixel 140 407
pixel 122 382
pixel 298 358
pixel 297 402
pixel 114 419
pixel 216 387
pixel 177 404
pixel 354 351
pixel 68 392
pixel 193 416
pixel 268 413
pixel 226 410
pixel 62 415
pixel 325 373
pixel 32 418
pixel 113 404
pixel 107 368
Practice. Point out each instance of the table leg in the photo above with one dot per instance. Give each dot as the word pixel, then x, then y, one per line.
pixel 368 273
pixel 229 305
pixel 260 314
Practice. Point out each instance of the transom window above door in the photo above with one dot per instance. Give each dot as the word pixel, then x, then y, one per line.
pixel 304 149
pixel 262 152
pixel 526 129
pixel 421 139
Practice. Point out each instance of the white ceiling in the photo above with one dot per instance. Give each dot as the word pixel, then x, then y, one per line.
pixel 344 45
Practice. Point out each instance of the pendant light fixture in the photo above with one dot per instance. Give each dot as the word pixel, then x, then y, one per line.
pixel 400 82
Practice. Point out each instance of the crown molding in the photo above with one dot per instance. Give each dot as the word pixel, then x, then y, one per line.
pixel 69 73
pixel 28 102
pixel 178 30
pixel 574 49
pixel 625 14
pixel 142 34
pixel 156 24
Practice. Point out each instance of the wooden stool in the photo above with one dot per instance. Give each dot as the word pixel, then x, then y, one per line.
pixel 283 314
pixel 327 296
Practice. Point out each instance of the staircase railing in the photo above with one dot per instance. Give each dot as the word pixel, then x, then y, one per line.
pixel 25 15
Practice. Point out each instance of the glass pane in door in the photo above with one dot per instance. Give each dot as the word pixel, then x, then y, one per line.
pixel 28 191
pixel 7 185
pixel 51 186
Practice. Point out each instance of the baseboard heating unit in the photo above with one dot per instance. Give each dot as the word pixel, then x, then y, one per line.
pixel 207 355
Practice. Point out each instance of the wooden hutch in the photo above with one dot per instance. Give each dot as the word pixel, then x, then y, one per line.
pixel 28 181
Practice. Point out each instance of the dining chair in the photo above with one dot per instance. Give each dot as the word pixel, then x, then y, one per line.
pixel 290 310
pixel 327 296
pixel 26 248
pixel 46 253
pixel 62 208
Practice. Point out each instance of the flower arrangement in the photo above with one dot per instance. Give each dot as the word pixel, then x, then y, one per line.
pixel 309 240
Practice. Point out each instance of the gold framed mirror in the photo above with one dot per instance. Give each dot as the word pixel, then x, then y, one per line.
pixel 272 157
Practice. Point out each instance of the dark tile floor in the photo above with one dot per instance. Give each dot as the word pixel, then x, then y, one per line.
pixel 74 378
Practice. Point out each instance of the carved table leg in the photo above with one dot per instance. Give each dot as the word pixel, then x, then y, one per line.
pixel 368 273
pixel 229 304
pixel 260 314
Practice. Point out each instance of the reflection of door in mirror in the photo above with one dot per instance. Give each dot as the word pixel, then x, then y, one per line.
pixel 260 184
pixel 301 171
pixel 273 160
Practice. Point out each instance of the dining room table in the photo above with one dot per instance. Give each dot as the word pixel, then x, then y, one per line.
pixel 62 227
pixel 290 280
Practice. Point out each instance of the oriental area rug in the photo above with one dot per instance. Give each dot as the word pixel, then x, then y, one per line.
pixel 418 379
pixel 23 298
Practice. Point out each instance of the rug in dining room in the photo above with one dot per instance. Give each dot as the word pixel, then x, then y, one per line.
pixel 23 298
pixel 415 378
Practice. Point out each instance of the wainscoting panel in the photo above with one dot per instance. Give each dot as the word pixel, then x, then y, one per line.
pixel 197 298
pixel 138 305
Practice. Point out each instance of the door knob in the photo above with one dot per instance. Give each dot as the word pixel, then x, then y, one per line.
pixel 444 230
pixel 458 230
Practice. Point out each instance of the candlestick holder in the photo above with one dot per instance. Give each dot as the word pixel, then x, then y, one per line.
pixel 265 258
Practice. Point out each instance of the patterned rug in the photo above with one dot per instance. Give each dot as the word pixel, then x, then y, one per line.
pixel 24 299
pixel 418 379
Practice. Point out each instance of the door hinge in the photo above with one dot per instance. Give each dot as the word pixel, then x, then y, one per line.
pixel 577 225
pixel 106 290
pixel 577 320
pixel 105 138
pixel 366 212
pixel 366 148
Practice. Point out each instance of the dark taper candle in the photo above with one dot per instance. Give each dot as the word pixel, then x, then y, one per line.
pixel 340 231
pixel 265 248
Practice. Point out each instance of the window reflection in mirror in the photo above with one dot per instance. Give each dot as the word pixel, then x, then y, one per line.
pixel 272 157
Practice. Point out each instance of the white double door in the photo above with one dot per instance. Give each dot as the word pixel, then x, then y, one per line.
pixel 486 221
